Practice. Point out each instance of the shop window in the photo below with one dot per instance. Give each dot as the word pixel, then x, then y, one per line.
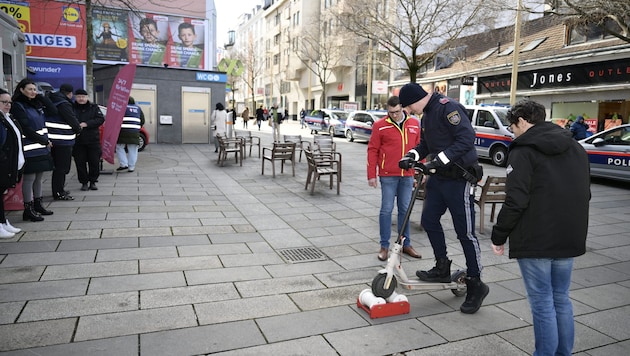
pixel 589 33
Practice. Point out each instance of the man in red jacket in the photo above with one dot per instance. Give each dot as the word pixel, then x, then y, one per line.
pixel 392 137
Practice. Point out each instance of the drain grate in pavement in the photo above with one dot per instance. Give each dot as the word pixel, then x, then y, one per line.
pixel 302 254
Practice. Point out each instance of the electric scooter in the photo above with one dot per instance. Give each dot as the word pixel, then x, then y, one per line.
pixel 384 284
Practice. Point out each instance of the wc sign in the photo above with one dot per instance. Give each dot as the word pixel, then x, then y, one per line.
pixel 211 77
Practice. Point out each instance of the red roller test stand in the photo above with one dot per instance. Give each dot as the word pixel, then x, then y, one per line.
pixel 385 310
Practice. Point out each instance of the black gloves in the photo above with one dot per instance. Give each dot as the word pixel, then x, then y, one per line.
pixel 406 162
pixel 430 167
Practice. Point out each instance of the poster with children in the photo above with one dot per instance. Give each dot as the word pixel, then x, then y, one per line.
pixel 148 38
pixel 109 31
pixel 186 50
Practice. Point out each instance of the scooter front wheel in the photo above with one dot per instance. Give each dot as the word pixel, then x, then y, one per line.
pixel 459 277
pixel 378 286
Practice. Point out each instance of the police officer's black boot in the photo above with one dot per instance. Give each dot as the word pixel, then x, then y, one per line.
pixel 38 207
pixel 476 291
pixel 440 273
pixel 30 214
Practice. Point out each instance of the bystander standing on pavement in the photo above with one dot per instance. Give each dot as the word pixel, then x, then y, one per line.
pixel 391 138
pixel 547 173
pixel 87 148
pixel 63 129
pixel 303 119
pixel 260 116
pixel 276 119
pixel 219 123
pixel 11 160
pixel 129 137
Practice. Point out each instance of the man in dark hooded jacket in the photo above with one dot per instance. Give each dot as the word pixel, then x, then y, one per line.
pixel 545 216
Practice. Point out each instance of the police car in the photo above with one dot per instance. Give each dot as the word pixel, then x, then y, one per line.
pixel 332 121
pixel 492 137
pixel 359 124
pixel 609 153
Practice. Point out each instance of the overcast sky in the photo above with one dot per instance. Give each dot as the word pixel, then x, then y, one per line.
pixel 228 12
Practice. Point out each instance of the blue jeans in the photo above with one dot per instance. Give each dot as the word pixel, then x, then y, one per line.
pixel 127 159
pixel 399 188
pixel 547 282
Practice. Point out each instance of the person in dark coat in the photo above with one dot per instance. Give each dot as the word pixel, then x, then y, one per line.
pixel 29 109
pixel 129 137
pixel 545 216
pixel 87 148
pixel 11 159
pixel 62 131
pixel 579 128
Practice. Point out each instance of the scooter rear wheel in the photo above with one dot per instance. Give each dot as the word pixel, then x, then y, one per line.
pixel 378 286
pixel 459 278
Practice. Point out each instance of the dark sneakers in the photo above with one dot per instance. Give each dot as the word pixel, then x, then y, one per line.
pixel 441 273
pixel 476 292
pixel 84 187
pixel 93 186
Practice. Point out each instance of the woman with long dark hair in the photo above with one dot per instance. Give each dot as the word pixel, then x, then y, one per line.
pixel 29 110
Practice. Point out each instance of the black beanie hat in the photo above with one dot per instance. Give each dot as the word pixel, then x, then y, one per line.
pixel 66 88
pixel 80 92
pixel 410 93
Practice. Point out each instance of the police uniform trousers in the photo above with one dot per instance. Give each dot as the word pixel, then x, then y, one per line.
pixel 87 158
pixel 62 158
pixel 454 194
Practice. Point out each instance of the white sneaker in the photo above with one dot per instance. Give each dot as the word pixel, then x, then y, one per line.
pixel 4 234
pixel 10 228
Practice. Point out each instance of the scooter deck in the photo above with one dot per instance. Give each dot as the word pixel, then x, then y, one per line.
pixel 387 309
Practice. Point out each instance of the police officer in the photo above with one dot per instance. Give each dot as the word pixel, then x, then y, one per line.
pixel 447 141
pixel 129 137
pixel 62 131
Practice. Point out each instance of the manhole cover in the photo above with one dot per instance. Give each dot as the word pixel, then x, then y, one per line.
pixel 302 254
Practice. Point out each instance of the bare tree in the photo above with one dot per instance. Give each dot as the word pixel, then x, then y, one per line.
pixel 320 48
pixel 414 31
pixel 610 16
pixel 254 67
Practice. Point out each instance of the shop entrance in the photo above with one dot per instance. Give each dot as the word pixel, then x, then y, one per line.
pixel 195 115
pixel 145 96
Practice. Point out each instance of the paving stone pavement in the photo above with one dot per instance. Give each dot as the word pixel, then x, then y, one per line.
pixel 182 257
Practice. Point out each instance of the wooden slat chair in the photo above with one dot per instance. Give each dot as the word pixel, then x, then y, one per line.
pixel 281 151
pixel 324 147
pixel 230 145
pixel 300 145
pixel 319 166
pixel 492 192
pixel 249 140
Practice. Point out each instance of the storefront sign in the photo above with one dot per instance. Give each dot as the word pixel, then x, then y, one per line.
pixel 560 77
pixel 211 77
pixel 57 73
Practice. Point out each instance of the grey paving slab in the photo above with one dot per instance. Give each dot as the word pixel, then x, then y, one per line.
pixel 300 347
pixel 20 274
pixel 585 338
pixel 100 225
pixel 40 333
pixel 254 259
pixel 136 232
pixel 47 258
pixel 157 298
pixel 297 269
pixel 612 322
pixel 101 326
pixel 28 246
pixel 233 274
pixel 244 308
pixel 595 276
pixel 308 323
pixel 213 250
pixel 119 346
pixel 83 270
pixel 489 345
pixel 245 237
pixel 617 349
pixel 277 286
pixel 202 339
pixel 10 311
pixel 603 297
pixel 328 297
pixel 97 244
pixel 489 319
pixel 137 253
pixel 113 284
pixel 345 277
pixel 42 290
pixel 179 264
pixel 385 339
pixel 154 241
pixel 58 308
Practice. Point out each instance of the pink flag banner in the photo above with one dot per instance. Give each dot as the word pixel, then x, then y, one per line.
pixel 116 106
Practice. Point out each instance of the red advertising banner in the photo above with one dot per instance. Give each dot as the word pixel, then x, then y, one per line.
pixel 52 29
pixel 116 106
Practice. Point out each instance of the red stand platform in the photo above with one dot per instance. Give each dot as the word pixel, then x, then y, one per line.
pixel 385 310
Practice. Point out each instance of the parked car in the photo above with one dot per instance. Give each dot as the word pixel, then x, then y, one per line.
pixel 492 137
pixel 609 153
pixel 359 124
pixel 144 134
pixel 331 121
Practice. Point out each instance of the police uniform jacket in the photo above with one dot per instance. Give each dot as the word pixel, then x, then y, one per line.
pixel 30 114
pixel 446 129
pixel 545 213
pixel 93 118
pixel 388 144
pixel 9 151
pixel 64 126
pixel 131 124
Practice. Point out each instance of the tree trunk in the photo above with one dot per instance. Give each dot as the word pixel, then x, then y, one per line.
pixel 89 58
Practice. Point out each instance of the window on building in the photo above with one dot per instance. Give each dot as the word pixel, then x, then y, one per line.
pixel 589 33
pixel 533 44
pixel 276 59
pixel 506 51
pixel 276 20
pixel 276 39
pixel 486 54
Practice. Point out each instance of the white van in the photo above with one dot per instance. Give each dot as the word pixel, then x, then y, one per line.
pixel 492 137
